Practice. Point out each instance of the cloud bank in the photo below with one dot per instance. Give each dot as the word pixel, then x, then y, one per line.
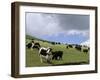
pixel 47 24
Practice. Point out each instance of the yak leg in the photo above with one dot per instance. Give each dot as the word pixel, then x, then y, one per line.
pixel 41 59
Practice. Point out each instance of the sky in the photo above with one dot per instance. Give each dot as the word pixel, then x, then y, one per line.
pixel 64 28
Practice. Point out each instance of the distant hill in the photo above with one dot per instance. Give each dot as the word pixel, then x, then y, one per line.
pixel 31 37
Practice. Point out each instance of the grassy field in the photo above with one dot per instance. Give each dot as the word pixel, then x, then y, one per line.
pixel 71 56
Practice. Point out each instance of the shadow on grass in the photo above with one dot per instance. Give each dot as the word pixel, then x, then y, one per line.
pixel 71 63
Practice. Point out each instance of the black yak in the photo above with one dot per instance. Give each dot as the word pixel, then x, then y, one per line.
pixel 57 55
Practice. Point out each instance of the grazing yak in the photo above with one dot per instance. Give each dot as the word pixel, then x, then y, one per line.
pixel 29 45
pixel 85 50
pixel 78 47
pixel 57 55
pixel 33 45
pixel 36 46
pixel 53 43
pixel 71 46
pixel 45 53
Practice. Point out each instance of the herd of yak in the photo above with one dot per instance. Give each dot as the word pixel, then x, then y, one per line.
pixel 48 54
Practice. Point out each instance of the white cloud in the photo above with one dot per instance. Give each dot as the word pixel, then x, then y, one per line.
pixel 87 43
pixel 77 32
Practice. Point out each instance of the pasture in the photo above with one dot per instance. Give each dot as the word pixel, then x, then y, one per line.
pixel 71 56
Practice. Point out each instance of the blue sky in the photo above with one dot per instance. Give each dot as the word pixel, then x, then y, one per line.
pixel 64 28
pixel 73 39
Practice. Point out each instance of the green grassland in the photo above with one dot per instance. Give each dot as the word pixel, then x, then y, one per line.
pixel 70 55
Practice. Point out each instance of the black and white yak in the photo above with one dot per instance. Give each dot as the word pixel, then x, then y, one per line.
pixel 45 54
pixel 29 45
pixel 33 45
pixel 36 46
